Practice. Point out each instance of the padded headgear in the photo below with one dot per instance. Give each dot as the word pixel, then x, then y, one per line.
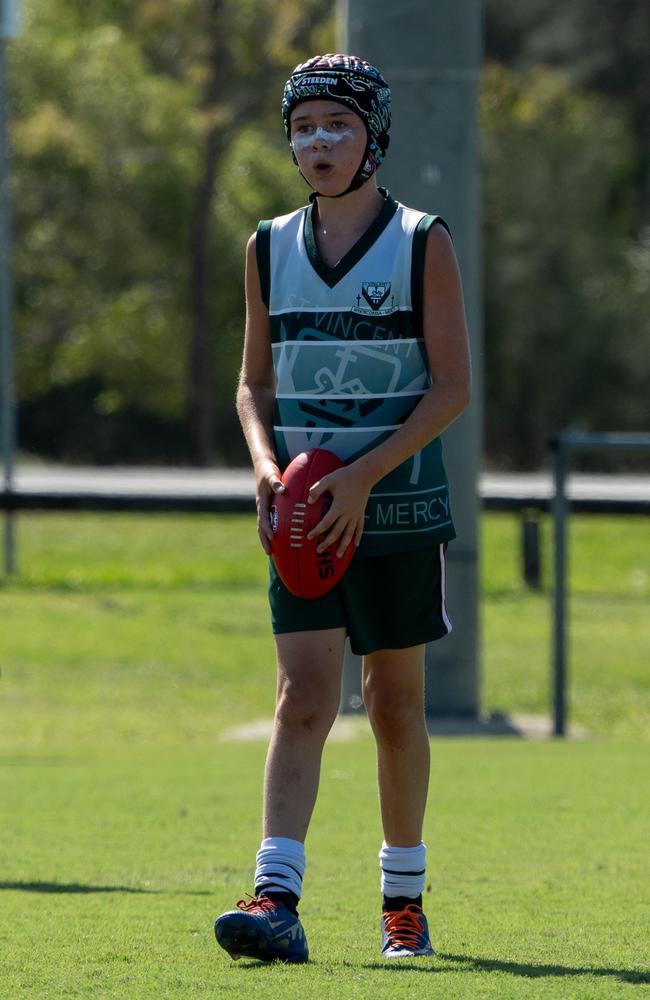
pixel 354 83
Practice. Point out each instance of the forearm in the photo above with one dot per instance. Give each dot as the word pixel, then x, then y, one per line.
pixel 255 411
pixel 438 408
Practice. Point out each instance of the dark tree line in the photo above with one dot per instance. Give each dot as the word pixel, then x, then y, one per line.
pixel 147 144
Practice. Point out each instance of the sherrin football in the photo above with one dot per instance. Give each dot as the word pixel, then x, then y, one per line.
pixel 304 571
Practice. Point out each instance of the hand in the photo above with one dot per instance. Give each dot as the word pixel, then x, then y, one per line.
pixel 267 476
pixel 344 521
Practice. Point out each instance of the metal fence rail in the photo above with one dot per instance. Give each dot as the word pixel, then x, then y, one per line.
pixel 562 447
pixel 233 491
pixel 156 492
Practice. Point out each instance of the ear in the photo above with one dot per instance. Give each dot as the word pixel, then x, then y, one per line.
pixel 383 141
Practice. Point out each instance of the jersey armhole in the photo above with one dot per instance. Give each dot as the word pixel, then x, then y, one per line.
pixel 417 262
pixel 263 254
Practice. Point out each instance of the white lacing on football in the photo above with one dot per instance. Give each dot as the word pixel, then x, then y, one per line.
pixel 297 526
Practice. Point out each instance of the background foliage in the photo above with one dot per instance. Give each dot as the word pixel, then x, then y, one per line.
pixel 147 144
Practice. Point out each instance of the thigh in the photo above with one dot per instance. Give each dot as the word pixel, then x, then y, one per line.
pixel 310 666
pixel 394 675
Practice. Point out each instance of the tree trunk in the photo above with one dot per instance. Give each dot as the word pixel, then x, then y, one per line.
pixel 201 360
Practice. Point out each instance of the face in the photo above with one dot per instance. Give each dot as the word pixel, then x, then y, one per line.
pixel 328 141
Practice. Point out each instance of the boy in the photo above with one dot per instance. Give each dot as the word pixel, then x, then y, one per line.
pixel 355 341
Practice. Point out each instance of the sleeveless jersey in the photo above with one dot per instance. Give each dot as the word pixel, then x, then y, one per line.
pixel 350 362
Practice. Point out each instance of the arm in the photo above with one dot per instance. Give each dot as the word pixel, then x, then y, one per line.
pixel 255 397
pixel 447 345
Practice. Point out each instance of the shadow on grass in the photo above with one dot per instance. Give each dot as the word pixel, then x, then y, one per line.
pixel 526 970
pixel 31 761
pixel 63 888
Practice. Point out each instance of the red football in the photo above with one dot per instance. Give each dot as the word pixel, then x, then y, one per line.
pixel 303 570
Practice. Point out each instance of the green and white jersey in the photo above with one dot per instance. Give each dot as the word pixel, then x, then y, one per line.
pixel 350 361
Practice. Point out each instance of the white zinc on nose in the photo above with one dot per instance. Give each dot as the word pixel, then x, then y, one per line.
pixel 320 135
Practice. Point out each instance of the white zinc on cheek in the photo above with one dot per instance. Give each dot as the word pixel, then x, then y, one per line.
pixel 320 135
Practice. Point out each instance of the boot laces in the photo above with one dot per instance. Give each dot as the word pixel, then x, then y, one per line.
pixel 404 927
pixel 257 903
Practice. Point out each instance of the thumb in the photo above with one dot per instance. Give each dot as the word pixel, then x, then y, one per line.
pixel 316 490
pixel 276 484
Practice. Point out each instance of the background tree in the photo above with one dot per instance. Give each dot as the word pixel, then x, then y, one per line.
pixel 147 143
pixel 566 290
pixel 124 114
pixel 238 82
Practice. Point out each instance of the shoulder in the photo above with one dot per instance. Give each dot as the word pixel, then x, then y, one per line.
pixel 439 242
pixel 280 222
pixel 429 227
pixel 441 269
pixel 264 226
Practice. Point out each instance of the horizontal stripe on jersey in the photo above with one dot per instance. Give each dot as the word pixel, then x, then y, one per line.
pixel 350 361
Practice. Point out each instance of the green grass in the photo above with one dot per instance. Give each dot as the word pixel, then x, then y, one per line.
pixel 609 624
pixel 114 867
pixel 158 628
pixel 128 645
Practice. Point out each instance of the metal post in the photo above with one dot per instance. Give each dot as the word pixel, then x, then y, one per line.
pixel 562 446
pixel 559 586
pixel 7 415
pixel 430 54
pixel 530 549
pixel 351 696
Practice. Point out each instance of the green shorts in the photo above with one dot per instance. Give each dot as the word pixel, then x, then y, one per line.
pixel 385 602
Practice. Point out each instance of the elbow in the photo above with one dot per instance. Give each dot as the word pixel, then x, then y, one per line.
pixel 463 389
pixel 464 395
pixel 242 395
pixel 459 395
pixel 252 392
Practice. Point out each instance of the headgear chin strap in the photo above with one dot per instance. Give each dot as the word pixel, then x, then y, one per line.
pixel 358 86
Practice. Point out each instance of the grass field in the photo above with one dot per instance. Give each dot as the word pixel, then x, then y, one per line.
pixel 129 645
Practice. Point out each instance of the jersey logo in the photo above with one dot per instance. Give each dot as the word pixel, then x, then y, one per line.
pixel 375 293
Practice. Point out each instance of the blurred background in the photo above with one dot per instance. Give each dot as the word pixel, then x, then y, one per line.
pixel 146 143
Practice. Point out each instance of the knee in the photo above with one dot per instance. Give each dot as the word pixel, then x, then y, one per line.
pixel 392 711
pixel 302 702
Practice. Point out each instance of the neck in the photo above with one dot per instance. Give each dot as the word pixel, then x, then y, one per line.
pixel 353 211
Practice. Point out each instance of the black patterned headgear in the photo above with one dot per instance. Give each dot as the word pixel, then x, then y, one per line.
pixel 354 83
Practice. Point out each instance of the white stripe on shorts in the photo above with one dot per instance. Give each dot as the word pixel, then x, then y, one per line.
pixel 443 587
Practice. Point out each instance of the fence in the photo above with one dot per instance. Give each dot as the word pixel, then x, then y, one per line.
pixel 563 446
pixel 528 495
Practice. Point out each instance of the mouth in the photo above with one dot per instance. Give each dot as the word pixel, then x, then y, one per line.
pixel 322 167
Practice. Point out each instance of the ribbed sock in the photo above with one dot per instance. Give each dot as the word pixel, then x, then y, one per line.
pixel 280 867
pixel 403 871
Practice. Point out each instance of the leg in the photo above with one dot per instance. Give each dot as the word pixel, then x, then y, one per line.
pixel 308 695
pixel 393 691
pixel 394 694
pixel 309 683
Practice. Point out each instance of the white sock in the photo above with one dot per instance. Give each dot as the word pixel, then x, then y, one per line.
pixel 280 866
pixel 403 870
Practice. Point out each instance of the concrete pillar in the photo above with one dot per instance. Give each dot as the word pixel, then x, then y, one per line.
pixel 430 54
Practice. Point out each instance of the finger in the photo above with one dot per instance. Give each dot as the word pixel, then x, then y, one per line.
pixel 323 525
pixel 264 526
pixel 317 489
pixel 345 540
pixel 359 532
pixel 264 516
pixel 331 537
pixel 265 541
pixel 271 483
